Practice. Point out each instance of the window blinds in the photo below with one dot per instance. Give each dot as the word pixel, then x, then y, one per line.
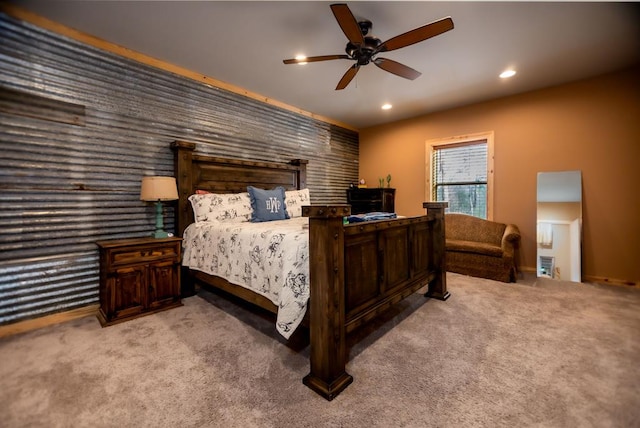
pixel 459 176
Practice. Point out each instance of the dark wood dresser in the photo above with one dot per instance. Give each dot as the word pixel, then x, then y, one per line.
pixel 138 277
pixel 371 200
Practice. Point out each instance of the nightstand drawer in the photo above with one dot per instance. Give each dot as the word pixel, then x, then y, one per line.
pixel 131 255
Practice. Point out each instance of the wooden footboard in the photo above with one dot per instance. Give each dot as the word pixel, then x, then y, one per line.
pixel 356 271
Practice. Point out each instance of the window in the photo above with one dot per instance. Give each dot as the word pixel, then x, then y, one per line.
pixel 460 172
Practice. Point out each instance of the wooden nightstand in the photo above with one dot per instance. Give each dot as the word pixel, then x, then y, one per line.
pixel 138 277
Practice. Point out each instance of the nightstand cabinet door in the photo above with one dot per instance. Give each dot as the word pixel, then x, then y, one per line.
pixel 163 284
pixel 126 291
pixel 138 277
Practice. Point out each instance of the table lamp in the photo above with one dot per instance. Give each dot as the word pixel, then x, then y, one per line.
pixel 158 189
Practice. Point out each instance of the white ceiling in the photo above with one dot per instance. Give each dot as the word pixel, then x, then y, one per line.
pixel 243 44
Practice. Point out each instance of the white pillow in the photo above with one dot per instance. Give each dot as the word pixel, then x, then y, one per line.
pixel 294 200
pixel 227 207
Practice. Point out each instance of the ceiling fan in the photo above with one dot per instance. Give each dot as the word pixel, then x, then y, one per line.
pixel 364 49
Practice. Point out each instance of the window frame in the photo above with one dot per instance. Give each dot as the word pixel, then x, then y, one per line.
pixel 460 140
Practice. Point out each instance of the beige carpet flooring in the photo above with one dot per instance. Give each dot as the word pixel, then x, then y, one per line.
pixel 533 354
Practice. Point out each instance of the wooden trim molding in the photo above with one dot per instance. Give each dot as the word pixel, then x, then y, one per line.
pixel 42 22
pixel 610 281
pixel 591 279
pixel 37 323
pixel 462 140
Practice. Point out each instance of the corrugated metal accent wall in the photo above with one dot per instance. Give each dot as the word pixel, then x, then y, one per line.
pixel 67 181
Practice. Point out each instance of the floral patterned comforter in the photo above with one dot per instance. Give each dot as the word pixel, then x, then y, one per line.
pixel 270 258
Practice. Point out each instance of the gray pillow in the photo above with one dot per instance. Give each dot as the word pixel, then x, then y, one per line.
pixel 267 205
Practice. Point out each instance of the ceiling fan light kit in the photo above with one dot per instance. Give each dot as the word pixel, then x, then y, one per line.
pixel 363 49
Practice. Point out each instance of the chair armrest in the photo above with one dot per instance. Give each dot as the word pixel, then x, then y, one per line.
pixel 511 233
pixel 510 239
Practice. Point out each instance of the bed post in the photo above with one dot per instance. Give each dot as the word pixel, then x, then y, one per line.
pixel 183 157
pixel 328 357
pixel 437 287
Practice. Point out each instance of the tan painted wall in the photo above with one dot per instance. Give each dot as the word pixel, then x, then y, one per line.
pixel 591 125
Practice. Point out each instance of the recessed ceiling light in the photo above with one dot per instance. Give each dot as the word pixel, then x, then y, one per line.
pixel 386 106
pixel 507 73
pixel 301 59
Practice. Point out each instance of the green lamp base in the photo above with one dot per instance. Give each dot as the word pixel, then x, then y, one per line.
pixel 159 233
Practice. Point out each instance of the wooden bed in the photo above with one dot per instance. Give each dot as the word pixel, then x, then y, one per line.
pixel 356 271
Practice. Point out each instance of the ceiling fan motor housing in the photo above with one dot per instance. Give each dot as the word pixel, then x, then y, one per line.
pixel 363 53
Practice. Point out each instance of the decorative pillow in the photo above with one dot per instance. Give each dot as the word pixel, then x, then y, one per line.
pixel 294 200
pixel 228 207
pixel 267 205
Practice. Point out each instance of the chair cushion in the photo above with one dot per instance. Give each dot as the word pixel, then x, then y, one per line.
pixel 473 247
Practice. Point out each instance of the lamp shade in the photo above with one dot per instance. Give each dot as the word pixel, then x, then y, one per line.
pixel 158 189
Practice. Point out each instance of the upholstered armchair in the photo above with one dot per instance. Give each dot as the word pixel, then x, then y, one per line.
pixel 481 248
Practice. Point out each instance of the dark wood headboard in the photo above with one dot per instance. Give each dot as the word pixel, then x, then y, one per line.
pixel 221 175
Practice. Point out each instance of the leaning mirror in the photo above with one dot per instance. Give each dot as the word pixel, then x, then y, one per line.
pixel 559 225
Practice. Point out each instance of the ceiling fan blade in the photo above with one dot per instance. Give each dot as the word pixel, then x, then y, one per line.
pixel 417 35
pixel 314 59
pixel 348 23
pixel 397 68
pixel 348 76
